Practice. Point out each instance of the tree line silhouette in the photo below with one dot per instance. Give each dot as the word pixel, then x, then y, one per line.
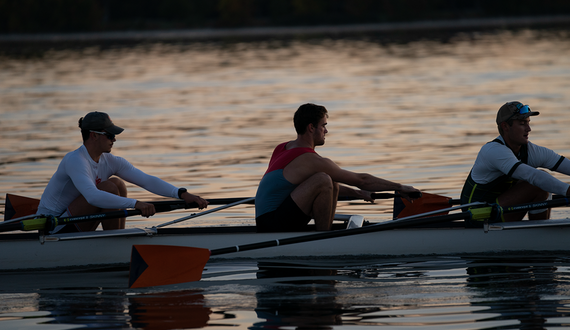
pixel 43 16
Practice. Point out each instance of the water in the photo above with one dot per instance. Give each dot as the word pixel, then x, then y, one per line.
pixel 206 115
pixel 521 292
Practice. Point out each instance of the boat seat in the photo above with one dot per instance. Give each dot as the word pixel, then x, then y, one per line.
pixel 355 221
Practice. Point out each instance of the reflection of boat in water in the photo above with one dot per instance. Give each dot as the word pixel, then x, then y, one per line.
pixel 517 288
pixel 302 297
pixel 169 310
pixel 510 291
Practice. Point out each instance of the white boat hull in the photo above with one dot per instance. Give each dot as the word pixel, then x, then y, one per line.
pixel 22 251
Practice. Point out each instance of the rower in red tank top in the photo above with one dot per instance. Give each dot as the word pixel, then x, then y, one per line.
pixel 299 185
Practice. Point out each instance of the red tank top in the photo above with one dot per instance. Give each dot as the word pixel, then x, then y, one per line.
pixel 281 156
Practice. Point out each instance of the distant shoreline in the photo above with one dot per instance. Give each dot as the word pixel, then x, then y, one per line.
pixel 259 32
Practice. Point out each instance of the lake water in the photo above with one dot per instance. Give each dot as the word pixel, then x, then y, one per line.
pixel 206 115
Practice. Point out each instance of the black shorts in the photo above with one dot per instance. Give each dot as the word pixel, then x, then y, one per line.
pixel 287 217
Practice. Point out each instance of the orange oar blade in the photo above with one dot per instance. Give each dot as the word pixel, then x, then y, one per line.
pixel 19 206
pixel 153 265
pixel 427 203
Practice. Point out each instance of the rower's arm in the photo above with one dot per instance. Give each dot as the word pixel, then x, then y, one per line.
pixel 355 193
pixel 363 181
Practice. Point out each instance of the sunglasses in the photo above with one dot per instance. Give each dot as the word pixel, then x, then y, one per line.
pixel 521 110
pixel 107 134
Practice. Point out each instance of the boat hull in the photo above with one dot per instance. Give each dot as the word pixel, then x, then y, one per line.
pixel 25 252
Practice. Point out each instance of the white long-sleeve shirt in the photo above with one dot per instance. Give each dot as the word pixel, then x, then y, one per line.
pixel 78 174
pixel 496 159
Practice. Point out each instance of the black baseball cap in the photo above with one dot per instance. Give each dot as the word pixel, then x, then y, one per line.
pixel 96 121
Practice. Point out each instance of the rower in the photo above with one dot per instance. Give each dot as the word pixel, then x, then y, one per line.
pixel 506 169
pixel 83 184
pixel 300 185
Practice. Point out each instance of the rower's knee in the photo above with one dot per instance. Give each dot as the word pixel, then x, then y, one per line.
pixel 542 195
pixel 324 181
pixel 120 185
pixel 539 194
pixel 335 186
pixel 114 186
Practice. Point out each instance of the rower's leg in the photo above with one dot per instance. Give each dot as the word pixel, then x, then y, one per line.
pixel 314 197
pixel 118 187
pixel 334 200
pixel 545 214
pixel 80 206
pixel 521 193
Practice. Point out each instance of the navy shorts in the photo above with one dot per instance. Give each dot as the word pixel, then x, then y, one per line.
pixel 287 217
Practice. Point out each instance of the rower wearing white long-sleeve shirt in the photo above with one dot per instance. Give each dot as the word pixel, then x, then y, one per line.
pixel 506 169
pixel 83 183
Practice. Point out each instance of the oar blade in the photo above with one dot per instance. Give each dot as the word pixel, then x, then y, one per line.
pixel 153 265
pixel 427 203
pixel 19 206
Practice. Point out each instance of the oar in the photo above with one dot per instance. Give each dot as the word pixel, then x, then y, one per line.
pixel 251 200
pixel 382 196
pixel 153 265
pixel 161 206
pixel 192 216
pixel 429 202
pixel 50 222
pixel 557 200
pixel 17 207
pixel 20 206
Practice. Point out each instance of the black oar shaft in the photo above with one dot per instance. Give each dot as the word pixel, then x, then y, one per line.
pixel 393 224
pixel 390 195
pixel 169 205
pixel 49 223
pixel 223 201
pixel 557 201
pixel 480 213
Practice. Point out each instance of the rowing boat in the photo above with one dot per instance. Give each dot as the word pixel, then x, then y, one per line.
pixel 439 231
pixel 19 251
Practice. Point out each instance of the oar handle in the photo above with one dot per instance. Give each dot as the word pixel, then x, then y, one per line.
pixel 390 195
pixel 222 201
pixel 413 195
pixel 169 205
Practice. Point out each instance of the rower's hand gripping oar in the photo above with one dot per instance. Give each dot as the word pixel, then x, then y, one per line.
pixel 153 265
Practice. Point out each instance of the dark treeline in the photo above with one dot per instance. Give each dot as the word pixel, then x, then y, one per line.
pixel 40 16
